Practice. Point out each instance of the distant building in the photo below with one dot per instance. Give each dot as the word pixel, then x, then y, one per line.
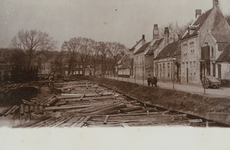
pixel 125 67
pixel 5 70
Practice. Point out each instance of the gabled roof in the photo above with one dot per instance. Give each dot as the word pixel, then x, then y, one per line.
pixel 154 46
pixel 143 48
pixel 124 57
pixel 126 64
pixel 197 24
pixel 136 44
pixel 168 51
pixel 225 55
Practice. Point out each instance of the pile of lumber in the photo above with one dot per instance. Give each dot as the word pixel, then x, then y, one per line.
pixel 104 108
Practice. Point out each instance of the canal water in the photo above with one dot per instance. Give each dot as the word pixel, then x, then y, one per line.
pixel 14 97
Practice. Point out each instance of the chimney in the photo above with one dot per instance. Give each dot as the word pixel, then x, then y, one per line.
pixel 155 31
pixel 143 40
pixel 166 35
pixel 198 13
pixel 178 37
pixel 215 3
pixel 143 37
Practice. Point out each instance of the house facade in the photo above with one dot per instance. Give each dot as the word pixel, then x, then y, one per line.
pixel 167 63
pixel 211 30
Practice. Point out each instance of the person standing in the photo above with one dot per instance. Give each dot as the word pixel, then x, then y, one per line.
pixel 149 79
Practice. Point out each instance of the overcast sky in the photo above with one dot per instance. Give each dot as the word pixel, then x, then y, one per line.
pixel 121 21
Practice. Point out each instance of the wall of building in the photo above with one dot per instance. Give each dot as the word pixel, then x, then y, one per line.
pixel 190 60
pixel 139 66
pixel 164 69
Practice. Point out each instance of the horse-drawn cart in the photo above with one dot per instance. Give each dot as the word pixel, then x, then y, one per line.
pixel 212 82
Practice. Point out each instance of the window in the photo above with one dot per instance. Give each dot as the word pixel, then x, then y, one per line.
pixel 66 66
pixel 182 66
pixel 80 66
pixel 168 69
pixel 194 64
pixel 191 44
pixel 212 51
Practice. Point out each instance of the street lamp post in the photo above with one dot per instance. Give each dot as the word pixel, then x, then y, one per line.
pixel 174 59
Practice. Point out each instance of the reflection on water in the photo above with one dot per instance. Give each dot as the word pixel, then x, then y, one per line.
pixel 14 97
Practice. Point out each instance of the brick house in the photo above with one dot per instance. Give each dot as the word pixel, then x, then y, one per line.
pixel 209 29
pixel 167 63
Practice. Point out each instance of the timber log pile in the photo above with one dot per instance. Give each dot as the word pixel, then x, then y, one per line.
pixel 87 104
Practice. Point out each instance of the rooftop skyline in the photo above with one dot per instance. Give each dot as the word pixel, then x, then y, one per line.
pixel 121 21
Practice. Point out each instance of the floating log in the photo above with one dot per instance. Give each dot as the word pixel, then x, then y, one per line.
pixel 83 122
pixel 42 122
pixel 22 109
pixel 31 108
pixel 16 108
pixel 82 97
pixel 195 120
pixel 62 122
pixel 110 108
pixel 36 107
pixel 56 122
pixel 130 109
pixel 33 122
pixel 10 110
pixel 5 110
pixel 65 107
pixel 71 122
pixel 27 102
pixel 80 120
pixel 26 108
pixel 124 125
pixel 138 111
pixel 106 118
pixel 40 109
pixel 52 101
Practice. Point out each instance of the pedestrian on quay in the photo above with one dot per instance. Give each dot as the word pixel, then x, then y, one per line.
pixel 149 79
pixel 155 81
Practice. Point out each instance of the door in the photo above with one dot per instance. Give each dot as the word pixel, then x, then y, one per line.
pixel 213 69
pixel 187 74
pixel 219 71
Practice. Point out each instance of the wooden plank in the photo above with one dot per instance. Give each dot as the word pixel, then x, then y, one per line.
pixel 42 122
pixel 33 122
pixel 5 110
pixel 67 107
pixel 106 119
pixel 125 125
pixel 83 122
pixel 10 110
pixel 15 109
pixel 128 109
pixel 77 122
pixel 71 121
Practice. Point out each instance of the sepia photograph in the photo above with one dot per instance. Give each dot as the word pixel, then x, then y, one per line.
pixel 94 73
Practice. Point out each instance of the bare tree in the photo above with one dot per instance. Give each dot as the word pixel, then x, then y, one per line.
pixel 32 43
pixel 175 30
pixel 116 51
pixel 73 46
pixel 227 17
pixel 103 48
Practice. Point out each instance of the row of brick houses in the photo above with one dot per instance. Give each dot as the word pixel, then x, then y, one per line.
pixel 181 59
